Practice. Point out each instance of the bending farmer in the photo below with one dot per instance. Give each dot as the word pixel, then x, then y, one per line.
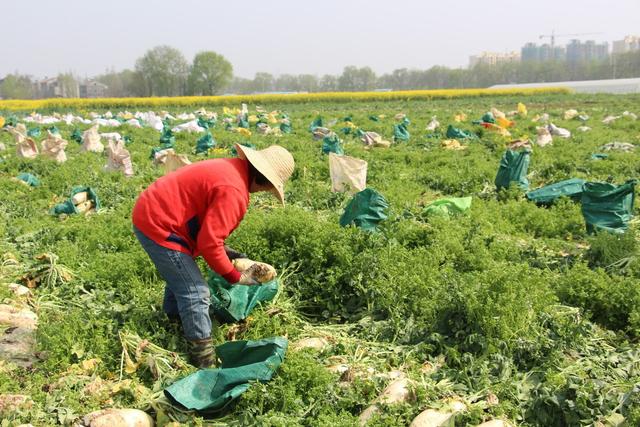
pixel 190 212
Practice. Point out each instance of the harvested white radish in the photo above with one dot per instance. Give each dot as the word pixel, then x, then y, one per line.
pixel 396 392
pixel 14 402
pixel 117 418
pixel 79 197
pixel 260 271
pixel 19 290
pixel 338 369
pixel 433 418
pixel 494 423
pixel 316 343
pixel 84 206
pixel 455 404
pixel 21 318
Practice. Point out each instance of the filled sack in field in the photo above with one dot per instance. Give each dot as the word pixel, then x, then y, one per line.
pixel 448 206
pixel 27 149
pixel 192 126
pixel 119 158
pixel 495 128
pixel 433 124
pixel 372 139
pixel 513 168
pixel 400 131
pixel 53 147
pixel 175 161
pixel 242 362
pixel 497 113
pixel 320 132
pixel 365 210
pixel 610 119
pixel 205 143
pixel 207 122
pixel 544 136
pixel 316 123
pixel 460 117
pixel 167 139
pixel 170 160
pixel 285 124
pixel 556 131
pixel 618 146
pixel 455 133
pixel 570 114
pixel 452 144
pixel 265 129
pixel 522 110
pixel 28 179
pixel 91 140
pixel 607 206
pixel 332 144
pixel 486 118
pixel 243 117
pixel 233 303
pixel 550 193
pixel 35 132
pixel 111 136
pixel 82 200
pixel 348 174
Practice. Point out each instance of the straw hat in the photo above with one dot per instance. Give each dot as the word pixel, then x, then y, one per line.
pixel 275 163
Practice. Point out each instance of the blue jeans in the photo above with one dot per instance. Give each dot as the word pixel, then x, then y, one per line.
pixel 187 293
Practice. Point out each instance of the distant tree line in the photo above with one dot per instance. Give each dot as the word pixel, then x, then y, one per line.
pixel 164 71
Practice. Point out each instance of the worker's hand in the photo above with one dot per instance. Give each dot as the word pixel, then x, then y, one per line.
pixel 246 278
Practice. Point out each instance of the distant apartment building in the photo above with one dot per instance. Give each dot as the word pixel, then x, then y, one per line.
pixel 578 51
pixel 50 88
pixel 92 89
pixel 493 58
pixel 531 52
pixel 628 44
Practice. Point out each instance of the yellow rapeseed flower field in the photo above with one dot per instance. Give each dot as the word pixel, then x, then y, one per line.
pixel 196 101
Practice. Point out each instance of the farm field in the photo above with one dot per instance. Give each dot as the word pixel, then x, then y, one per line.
pixel 510 311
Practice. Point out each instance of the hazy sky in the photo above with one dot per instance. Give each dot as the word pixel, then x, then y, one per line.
pixel 44 37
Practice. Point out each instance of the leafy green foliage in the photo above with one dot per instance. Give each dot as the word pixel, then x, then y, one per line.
pixel 510 299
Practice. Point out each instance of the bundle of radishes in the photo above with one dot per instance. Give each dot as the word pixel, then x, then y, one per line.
pixel 82 202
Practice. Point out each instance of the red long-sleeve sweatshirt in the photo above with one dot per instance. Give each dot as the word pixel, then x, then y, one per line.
pixel 195 208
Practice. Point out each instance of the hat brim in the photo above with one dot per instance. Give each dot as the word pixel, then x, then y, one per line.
pixel 259 162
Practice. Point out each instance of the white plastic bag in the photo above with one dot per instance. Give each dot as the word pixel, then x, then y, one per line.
pixel 191 126
pixel 175 161
pixel 118 158
pixel 433 124
pixel 27 149
pixel 544 136
pixel 556 131
pixel 348 174
pixel 53 147
pixel 91 140
pixel 372 139
pixel 170 160
pixel 111 136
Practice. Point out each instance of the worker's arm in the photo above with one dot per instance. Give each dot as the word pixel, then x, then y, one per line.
pixel 225 212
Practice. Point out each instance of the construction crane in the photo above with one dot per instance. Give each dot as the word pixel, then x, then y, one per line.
pixel 553 36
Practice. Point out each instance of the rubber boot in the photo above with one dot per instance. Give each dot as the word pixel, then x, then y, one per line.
pixel 202 353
